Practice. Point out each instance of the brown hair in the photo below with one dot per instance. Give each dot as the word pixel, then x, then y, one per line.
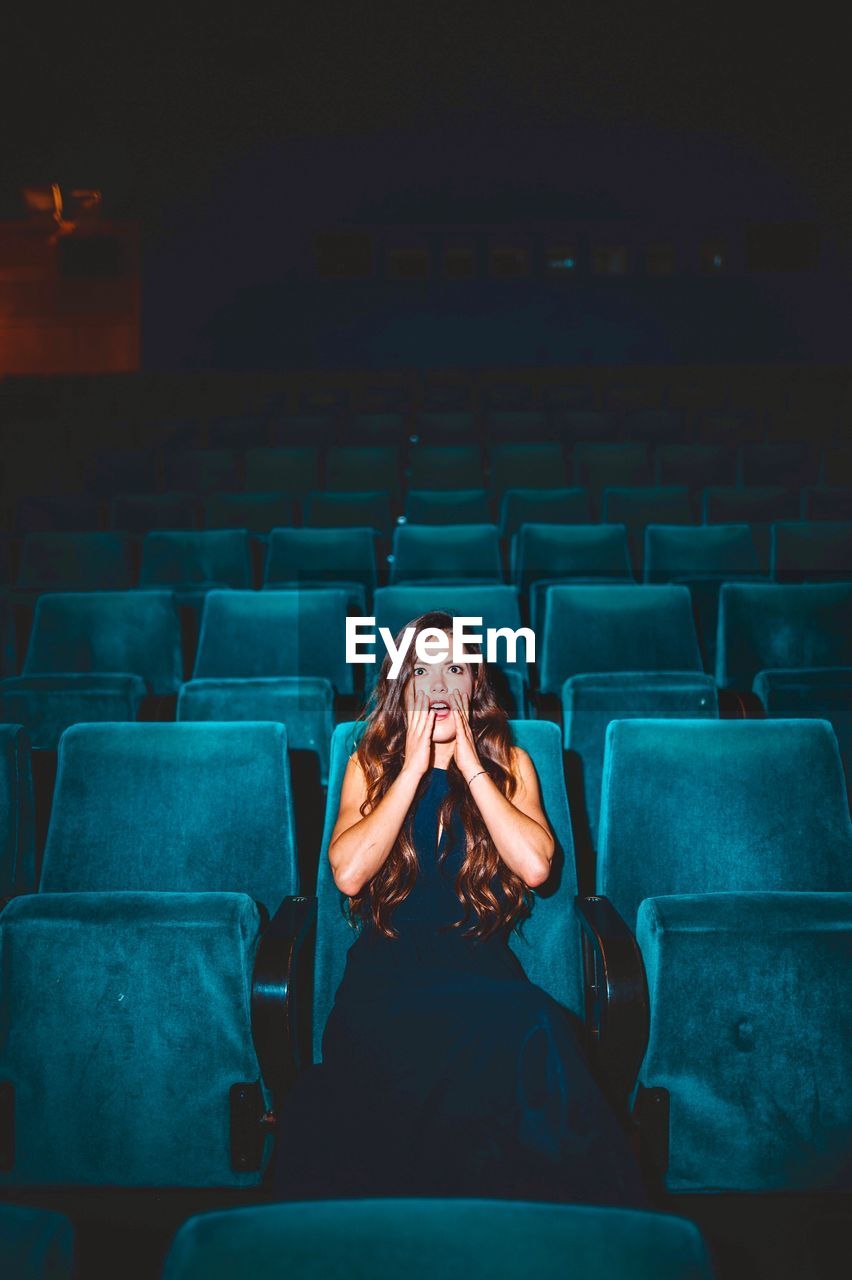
pixel 380 754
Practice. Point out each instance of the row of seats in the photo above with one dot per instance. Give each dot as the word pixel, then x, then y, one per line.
pixel 187 560
pixel 138 978
pixel 301 469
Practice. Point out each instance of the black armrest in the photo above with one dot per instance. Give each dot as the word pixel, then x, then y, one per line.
pixel 273 993
pixel 617 1016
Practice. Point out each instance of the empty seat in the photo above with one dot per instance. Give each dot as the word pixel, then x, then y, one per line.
pixel 48 704
pixel 76 562
pixel 741 857
pixel 17 851
pixel 445 426
pixel 122 471
pixel 542 506
pixel 789 463
pixel 303 704
pixel 821 693
pixel 362 469
pixel 247 634
pixel 517 424
pixel 255 512
pixel 456 552
pixel 376 428
pixel 756 506
pixel 178 808
pixel 805 551
pixel 35 1244
pixel 638 506
pixel 827 502
pixel 542 554
pixel 193 563
pixel 767 625
pixel 141 512
pixel 498 607
pixel 445 467
pixel 203 470
pixel 60 513
pixel 701 557
pixel 371 509
pixel 615 628
pixel 601 466
pixel 292 469
pixel 695 465
pixel 342 557
pixel 447 506
pixel 379 1239
pixel 837 466
pixel 288 429
pixel 527 466
pixel 589 426
pixel 654 425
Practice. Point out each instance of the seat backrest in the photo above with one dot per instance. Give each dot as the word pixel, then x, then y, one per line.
pixel 552 551
pixel 291 469
pixel 275 633
pixel 17 822
pixel 700 551
pixel 724 504
pixel 130 632
pixel 455 551
pixel 616 628
pixel 542 506
pixel 190 808
pixel 714 806
pixel 442 506
pixel 445 467
pixel 322 555
pixel 421 1238
pixel 618 463
pixel 182 559
pixel 256 512
pixel 548 943
pixel 76 562
pixel 640 504
pixel 805 551
pixel 355 510
pixel 141 512
pixel 766 625
pixel 695 465
pixel 126 1024
pixel 36 1244
pixel 527 466
pixel 827 502
pixel 362 467
pixel 497 605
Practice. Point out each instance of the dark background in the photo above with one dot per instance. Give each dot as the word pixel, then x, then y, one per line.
pixel 234 139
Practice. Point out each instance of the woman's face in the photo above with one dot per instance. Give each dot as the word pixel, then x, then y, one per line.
pixel 438 680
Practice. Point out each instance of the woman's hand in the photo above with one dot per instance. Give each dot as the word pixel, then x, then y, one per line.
pixel 464 747
pixel 420 721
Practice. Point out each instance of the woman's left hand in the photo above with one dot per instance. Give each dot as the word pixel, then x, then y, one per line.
pixel 464 747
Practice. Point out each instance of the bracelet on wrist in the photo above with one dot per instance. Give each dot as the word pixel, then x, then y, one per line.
pixel 475 775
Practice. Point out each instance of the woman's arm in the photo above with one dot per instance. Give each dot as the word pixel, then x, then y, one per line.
pixel 360 845
pixel 518 827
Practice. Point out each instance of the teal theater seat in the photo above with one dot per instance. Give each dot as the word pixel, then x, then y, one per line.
pixel 203 470
pixel 142 512
pixel 451 553
pixel 445 426
pixel 827 502
pixel 35 1244
pixel 585 425
pixel 432 466
pixel 823 693
pixel 638 506
pixel 654 426
pixel 758 506
pixel 701 557
pixel 48 704
pixel 293 469
pixel 549 950
pixel 251 634
pixel 193 563
pixel 837 465
pixel 790 463
pixel 695 465
pixel 255 512
pixel 542 506
pixel 517 424
pixel 544 554
pixel 805 551
pixel 17 830
pixel 362 468
pixel 303 704
pixel 767 625
pixel 76 562
pixel 735 877
pixel 527 466
pixel 447 506
pixel 497 605
pixel 615 627
pixel 377 427
pixel 427 1238
pixel 370 509
pixel 600 466
pixel 344 558
pixel 55 513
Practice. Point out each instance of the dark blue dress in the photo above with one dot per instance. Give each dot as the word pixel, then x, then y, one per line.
pixel 445 1071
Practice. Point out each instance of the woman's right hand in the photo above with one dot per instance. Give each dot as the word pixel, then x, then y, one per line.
pixel 420 721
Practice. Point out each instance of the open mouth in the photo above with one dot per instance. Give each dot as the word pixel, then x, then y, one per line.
pixel 441 709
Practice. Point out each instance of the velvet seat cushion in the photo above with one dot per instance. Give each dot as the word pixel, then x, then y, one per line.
pixel 17 829
pixel 173 807
pixel 449 553
pixel 35 1244
pixel 750 1011
pixel 768 625
pixel 805 551
pixel 548 943
pixel 560 552
pixel 126 1022
pixel 322 555
pixel 422 1239
pixel 48 705
pixel 215 556
pixel 542 506
pixel 76 562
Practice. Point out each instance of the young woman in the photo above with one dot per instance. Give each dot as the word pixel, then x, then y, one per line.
pixel 445 1070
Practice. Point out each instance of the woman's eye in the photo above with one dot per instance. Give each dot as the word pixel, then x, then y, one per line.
pixel 419 671
pixel 455 670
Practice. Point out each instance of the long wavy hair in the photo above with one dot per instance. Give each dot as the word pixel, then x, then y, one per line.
pixel 380 754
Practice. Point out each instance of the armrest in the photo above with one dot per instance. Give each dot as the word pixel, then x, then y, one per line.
pixel 273 994
pixel 617 1016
